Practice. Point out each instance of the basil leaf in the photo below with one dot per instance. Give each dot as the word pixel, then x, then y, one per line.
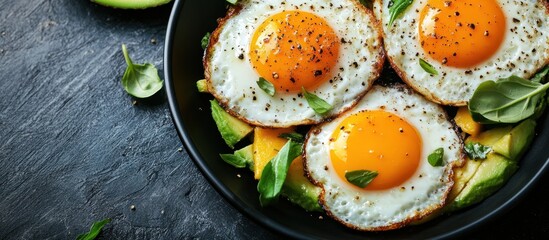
pixel 266 86
pixel 509 100
pixel 274 173
pixel 241 158
pixel 541 76
pixel 539 109
pixel 361 178
pixel 476 150
pixel 205 40
pixel 436 157
pixel 234 160
pixel 296 137
pixel 317 104
pixel 140 80
pixel 398 7
pixel 94 230
pixel 427 67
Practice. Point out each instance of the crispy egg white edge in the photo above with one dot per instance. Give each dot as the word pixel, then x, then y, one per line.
pixel 354 24
pixel 447 87
pixel 391 208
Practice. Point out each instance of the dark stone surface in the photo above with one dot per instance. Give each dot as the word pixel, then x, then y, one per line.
pixel 75 148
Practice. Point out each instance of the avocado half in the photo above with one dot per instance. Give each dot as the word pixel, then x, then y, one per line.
pixel 131 4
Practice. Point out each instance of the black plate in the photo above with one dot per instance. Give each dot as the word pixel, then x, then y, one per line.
pixel 189 21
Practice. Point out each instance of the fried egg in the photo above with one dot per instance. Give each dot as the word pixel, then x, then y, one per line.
pixel 392 131
pixel 467 42
pixel 331 48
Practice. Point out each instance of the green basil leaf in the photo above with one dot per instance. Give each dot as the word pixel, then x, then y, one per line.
pixel 398 7
pixel 541 76
pixel 317 104
pixel 361 178
pixel 508 100
pixel 240 158
pixel 436 157
pixel 94 230
pixel 427 67
pixel 296 137
pixel 540 108
pixel 205 40
pixel 476 150
pixel 140 80
pixel 234 160
pixel 274 173
pixel 266 86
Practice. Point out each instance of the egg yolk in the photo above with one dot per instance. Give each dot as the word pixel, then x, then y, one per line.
pixel 292 49
pixel 462 33
pixel 376 141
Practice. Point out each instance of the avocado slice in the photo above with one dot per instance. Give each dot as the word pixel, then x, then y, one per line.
pixel 131 4
pixel 490 137
pixel 464 174
pixel 515 143
pixel 493 172
pixel 232 129
pixel 246 153
pixel 477 180
pixel 299 190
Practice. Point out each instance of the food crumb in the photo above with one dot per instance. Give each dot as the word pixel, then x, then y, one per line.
pixel 180 149
pixel 238 175
pixel 132 207
pixel 320 217
pixel 153 41
pixel 134 102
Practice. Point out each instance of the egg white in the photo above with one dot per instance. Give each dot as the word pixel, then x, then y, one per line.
pixel 392 208
pixel 232 78
pixel 524 50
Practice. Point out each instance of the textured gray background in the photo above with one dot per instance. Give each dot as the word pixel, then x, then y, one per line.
pixel 75 148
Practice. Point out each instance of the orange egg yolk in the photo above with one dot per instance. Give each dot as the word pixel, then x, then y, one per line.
pixel 376 141
pixel 462 33
pixel 292 49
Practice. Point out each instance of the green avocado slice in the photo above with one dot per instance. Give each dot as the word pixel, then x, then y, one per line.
pixel 492 174
pixel 517 141
pixel 299 190
pixel 232 129
pixel 131 4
